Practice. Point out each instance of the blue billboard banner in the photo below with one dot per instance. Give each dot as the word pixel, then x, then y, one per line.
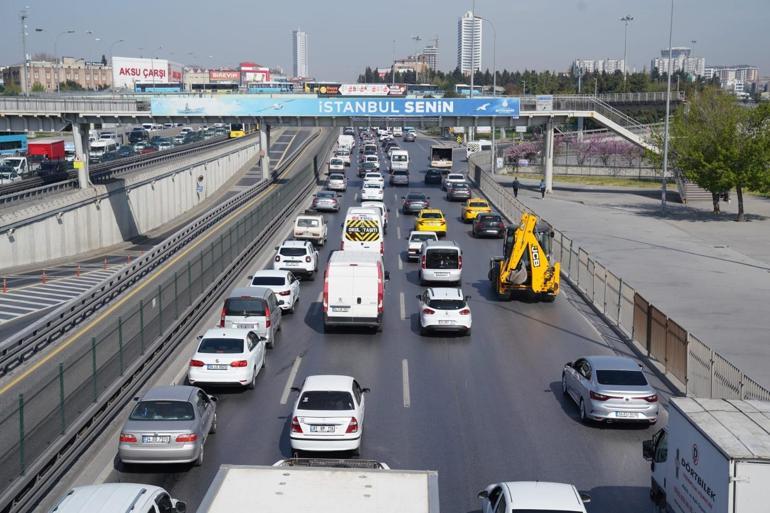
pixel 248 105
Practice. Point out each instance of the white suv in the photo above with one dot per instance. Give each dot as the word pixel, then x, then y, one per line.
pixel 444 309
pixel 297 256
pixel 118 498
pixel 516 496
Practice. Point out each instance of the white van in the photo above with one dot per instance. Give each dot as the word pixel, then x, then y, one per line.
pixel 363 231
pixel 97 149
pixel 441 261
pixel 399 160
pixel 354 290
pixel 398 131
pixel 346 142
pixel 118 498
pixel 477 146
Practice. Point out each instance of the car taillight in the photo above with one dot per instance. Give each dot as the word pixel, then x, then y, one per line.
pixel 465 311
pixel 353 426
pixel 284 293
pixel 307 259
pixel 422 262
pixel 326 291
pixel 460 262
pixel 196 363
pixel 239 363
pixel 187 437
pixel 295 427
pixel 651 398
pixel 380 289
pixel 222 318
pixel 428 311
pixel 601 397
pixel 382 248
pixel 127 439
pixel 267 317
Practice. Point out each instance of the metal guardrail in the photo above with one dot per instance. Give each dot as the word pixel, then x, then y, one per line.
pixel 701 371
pixel 42 435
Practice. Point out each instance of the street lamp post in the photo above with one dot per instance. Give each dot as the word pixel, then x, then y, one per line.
pixel 626 20
pixel 668 111
pixel 56 56
pixel 112 45
pixel 494 84
pixel 24 63
pixel 393 70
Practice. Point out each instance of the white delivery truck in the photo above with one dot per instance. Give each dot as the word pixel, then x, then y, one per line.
pixel 354 290
pixel 712 457
pixel 441 156
pixel 280 489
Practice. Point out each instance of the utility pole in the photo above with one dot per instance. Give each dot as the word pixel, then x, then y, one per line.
pixel 25 62
pixel 625 19
pixel 393 69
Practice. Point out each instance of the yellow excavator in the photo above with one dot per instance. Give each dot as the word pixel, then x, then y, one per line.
pixel 525 268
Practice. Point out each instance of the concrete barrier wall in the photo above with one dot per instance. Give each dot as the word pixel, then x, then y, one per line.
pixel 104 215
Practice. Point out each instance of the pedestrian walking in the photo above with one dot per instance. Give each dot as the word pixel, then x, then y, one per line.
pixel 515 187
pixel 542 189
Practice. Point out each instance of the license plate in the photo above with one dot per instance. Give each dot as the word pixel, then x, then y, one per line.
pixel 625 414
pixel 216 366
pixel 247 326
pixel 442 274
pixel 152 439
pixel 491 231
pixel 321 429
pixel 446 322
pixel 340 308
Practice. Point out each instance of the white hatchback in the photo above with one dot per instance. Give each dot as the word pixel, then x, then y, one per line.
pixel 374 177
pixel 283 284
pixel 228 356
pixel 337 182
pixel 372 191
pixel 529 496
pixel 416 240
pixel 328 414
pixel 444 309
pixel 336 164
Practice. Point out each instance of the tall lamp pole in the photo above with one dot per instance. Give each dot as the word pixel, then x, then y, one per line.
pixel 494 84
pixel 56 56
pixel 626 20
pixel 24 63
pixel 668 111
pixel 393 69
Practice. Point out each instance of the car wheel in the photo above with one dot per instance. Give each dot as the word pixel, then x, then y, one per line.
pixel 467 332
pixel 291 308
pixel 213 428
pixel 199 460
pixel 582 412
pixel 564 384
pixel 422 281
pixel 423 331
pixel 264 361
pixel 253 382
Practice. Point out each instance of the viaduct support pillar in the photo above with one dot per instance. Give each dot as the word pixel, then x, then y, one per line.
pixel 80 134
pixel 548 156
pixel 264 145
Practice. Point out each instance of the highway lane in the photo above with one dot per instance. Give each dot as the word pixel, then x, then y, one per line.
pixel 480 409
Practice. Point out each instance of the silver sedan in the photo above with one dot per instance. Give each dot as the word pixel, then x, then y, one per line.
pixel 610 389
pixel 169 424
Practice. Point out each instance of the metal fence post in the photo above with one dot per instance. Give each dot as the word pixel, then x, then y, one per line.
pixel 189 282
pixel 160 310
pixel 604 295
pixel 61 396
pixel 620 302
pixel 176 295
pixel 21 434
pixel 141 325
pixel 93 365
pixel 711 366
pixel 120 343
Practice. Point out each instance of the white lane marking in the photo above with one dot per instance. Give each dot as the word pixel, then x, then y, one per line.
pixel 400 264
pixel 398 232
pixel 398 213
pixel 395 196
pixel 405 383
pixel 402 305
pixel 290 381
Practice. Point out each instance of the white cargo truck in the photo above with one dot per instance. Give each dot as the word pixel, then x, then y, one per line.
pixel 712 457
pixel 279 489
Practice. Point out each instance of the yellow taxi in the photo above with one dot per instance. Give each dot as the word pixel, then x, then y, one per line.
pixel 474 207
pixel 431 220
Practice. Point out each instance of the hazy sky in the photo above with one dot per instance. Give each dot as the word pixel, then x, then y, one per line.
pixel 347 35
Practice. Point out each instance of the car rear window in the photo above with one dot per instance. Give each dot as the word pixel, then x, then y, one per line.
pixel 621 377
pixel 336 177
pixel 372 185
pixel 400 158
pixel 442 259
pixel 268 281
pixel 446 304
pixel 292 252
pixel 244 306
pixel 422 237
pixel 489 219
pixel 478 204
pixel 163 410
pixel 415 197
pixel 460 185
pixel 221 346
pixel 400 173
pixel 430 215
pixel 323 400
pixel 308 223
pixel 326 195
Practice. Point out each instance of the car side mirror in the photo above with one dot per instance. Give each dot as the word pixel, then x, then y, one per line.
pixel 585 497
pixel 418 296
pixel 263 339
pixel 136 398
pixel 250 277
pixel 180 507
pixel 483 495
pixel 568 364
pixel 648 450
pixel 387 275
pixel 200 337
pixel 467 298
pixel 214 398
pixel 366 390
pixel 295 389
pixel 276 248
pixel 403 197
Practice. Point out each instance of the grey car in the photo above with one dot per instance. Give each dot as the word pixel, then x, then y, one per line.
pixel 399 178
pixel 326 201
pixel 169 424
pixel 610 389
pixel 458 191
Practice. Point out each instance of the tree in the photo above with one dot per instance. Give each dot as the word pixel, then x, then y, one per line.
pixel 721 145
pixel 37 87
pixel 12 90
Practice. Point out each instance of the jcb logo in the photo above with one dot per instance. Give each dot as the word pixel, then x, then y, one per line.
pixel 535 256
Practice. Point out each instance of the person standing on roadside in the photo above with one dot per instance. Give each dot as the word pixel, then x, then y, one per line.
pixel 542 189
pixel 515 187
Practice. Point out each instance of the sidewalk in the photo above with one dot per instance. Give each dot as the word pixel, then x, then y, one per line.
pixel 708 273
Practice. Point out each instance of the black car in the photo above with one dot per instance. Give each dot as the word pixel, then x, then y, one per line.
pixel 433 176
pixel 488 225
pixel 125 151
pixel 366 167
pixel 458 191
pixel 414 202
pixel 138 134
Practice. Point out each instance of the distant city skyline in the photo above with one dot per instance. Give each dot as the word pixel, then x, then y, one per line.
pixel 347 40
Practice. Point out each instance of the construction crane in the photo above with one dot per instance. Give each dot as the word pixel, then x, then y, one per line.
pixel 525 268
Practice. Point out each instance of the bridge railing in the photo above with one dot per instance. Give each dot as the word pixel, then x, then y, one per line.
pixel 67 104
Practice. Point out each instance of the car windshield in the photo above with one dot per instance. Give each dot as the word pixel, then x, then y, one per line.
pixel 489 219
pixel 221 346
pixel 337 162
pixel 308 223
pixel 620 377
pixel 480 204
pixel 244 306
pixel 460 185
pixel 442 259
pixel 292 252
pixel 400 158
pixel 268 281
pixel 322 400
pixel 163 410
pixel 336 177
pixel 446 304
pixel 371 185
pixel 420 237
pixel 400 173
pixel 326 195
pixel 430 215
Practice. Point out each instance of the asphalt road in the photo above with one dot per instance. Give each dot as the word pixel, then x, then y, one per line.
pixel 480 409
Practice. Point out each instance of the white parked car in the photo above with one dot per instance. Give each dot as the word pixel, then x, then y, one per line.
pixel 444 309
pixel 372 191
pixel 284 285
pixel 328 414
pixel 416 240
pixel 336 164
pixel 337 182
pixel 227 356
pixel 297 256
pixel 374 177
pixel 532 496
